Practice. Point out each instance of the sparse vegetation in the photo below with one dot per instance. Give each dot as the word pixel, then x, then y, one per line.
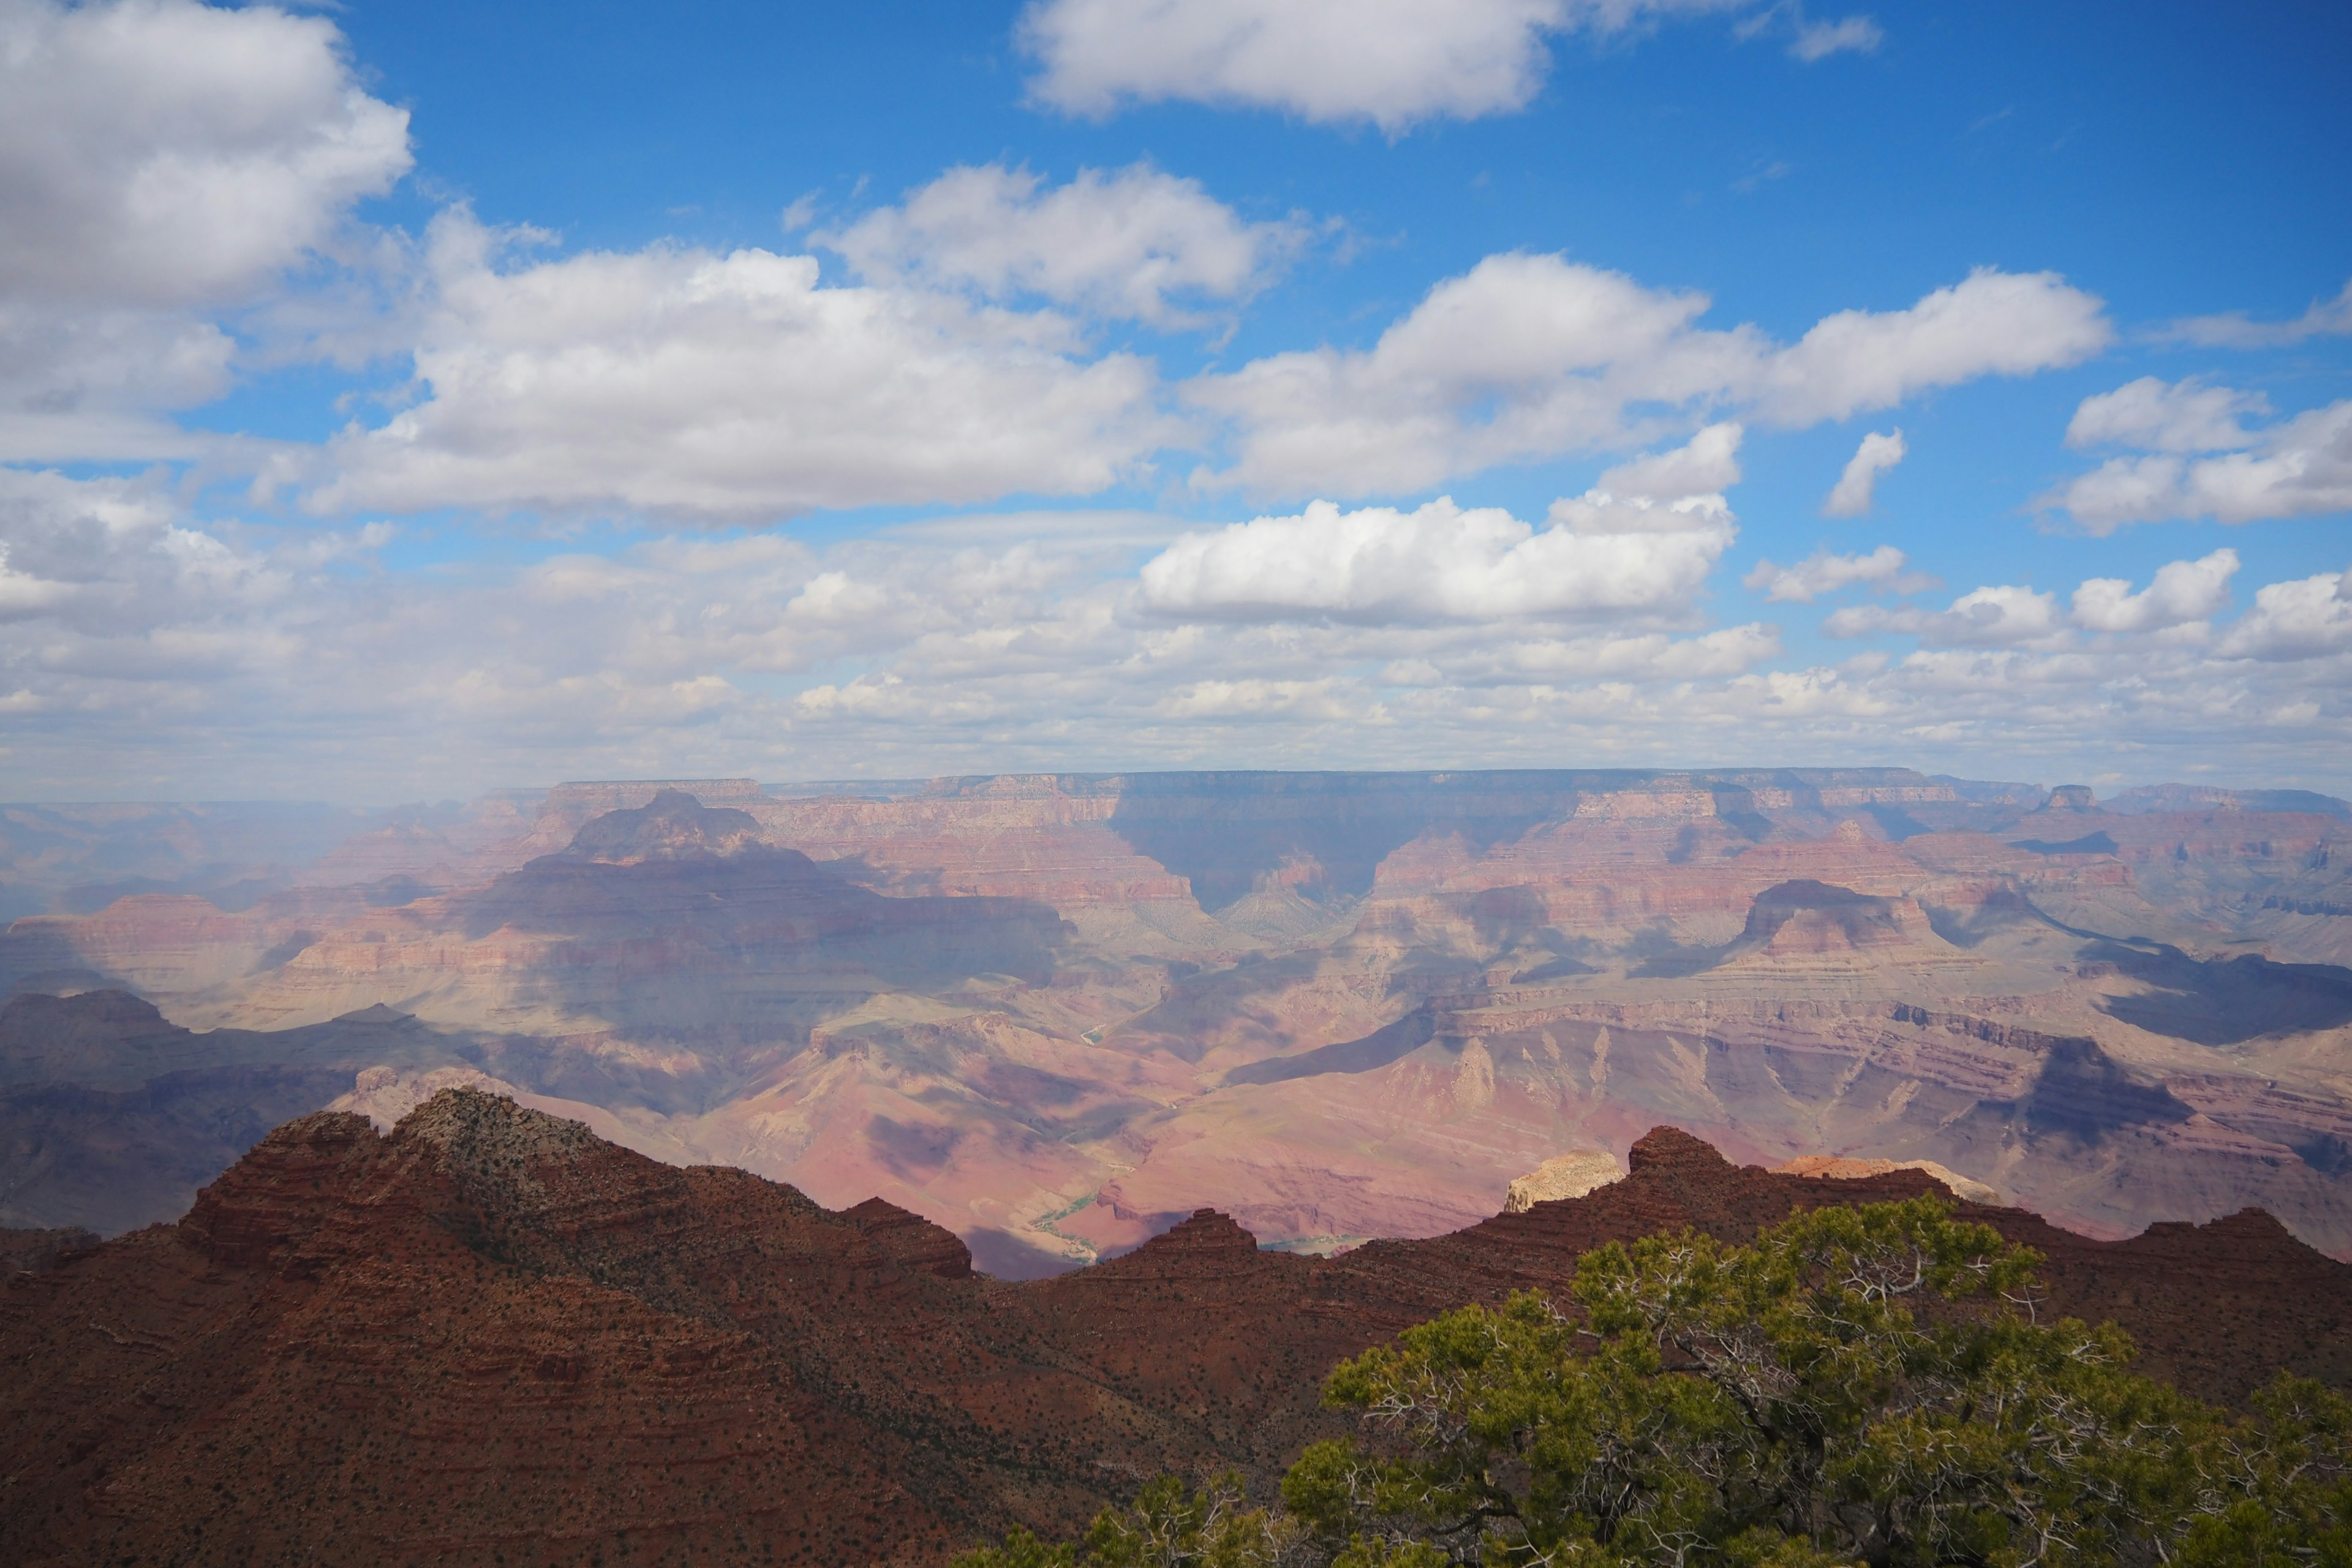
pixel 1869 1384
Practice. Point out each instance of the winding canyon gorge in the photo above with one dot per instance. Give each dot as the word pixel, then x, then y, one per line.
pixel 1056 1015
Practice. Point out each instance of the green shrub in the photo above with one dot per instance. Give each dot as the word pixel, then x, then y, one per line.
pixel 1865 1384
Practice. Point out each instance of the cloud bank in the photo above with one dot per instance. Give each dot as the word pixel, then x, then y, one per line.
pixel 2294 468
pixel 1528 357
pixel 143 650
pixel 684 382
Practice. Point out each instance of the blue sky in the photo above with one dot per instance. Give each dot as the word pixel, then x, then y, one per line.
pixel 400 401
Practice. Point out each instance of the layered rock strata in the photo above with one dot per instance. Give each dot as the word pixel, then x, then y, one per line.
pixel 1057 1013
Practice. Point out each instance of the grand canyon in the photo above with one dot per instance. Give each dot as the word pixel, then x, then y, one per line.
pixel 1054 1015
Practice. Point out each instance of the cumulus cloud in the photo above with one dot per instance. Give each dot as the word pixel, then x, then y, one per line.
pixel 160 152
pixel 1851 496
pixel 2165 417
pixel 1527 357
pixel 2182 593
pixel 2291 621
pixel 1131 243
pixel 1990 324
pixel 2236 329
pixel 1641 542
pixel 2007 616
pixel 1391 62
pixel 160 159
pixel 1440 562
pixel 2295 468
pixel 688 382
pixel 1823 572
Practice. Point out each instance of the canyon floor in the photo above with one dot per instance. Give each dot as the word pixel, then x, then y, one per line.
pixel 1057 1014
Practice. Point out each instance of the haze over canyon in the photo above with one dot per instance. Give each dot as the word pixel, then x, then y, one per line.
pixel 1057 1014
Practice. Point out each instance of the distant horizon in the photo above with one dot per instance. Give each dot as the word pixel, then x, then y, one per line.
pixel 774 787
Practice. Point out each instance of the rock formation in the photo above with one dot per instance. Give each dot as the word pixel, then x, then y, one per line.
pixel 1055 1013
pixel 492 1337
pixel 1568 1175
pixel 1841 1168
pixel 32 1251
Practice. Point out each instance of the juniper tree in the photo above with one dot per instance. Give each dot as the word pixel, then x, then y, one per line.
pixel 1870 1385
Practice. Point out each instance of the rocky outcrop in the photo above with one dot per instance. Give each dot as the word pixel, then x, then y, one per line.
pixel 672 824
pixel 493 1337
pixel 32 1251
pixel 1568 1175
pixel 1841 1168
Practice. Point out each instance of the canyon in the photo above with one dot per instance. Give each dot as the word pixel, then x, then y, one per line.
pixel 1057 1014
pixel 492 1336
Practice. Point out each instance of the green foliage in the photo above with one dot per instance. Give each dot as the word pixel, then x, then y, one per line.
pixel 2278 1494
pixel 1169 1526
pixel 1020 1550
pixel 1862 1385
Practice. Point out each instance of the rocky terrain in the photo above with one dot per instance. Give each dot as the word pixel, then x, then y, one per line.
pixel 1057 1014
pixel 492 1337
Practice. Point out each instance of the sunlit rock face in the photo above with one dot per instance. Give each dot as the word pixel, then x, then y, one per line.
pixel 1568 1175
pixel 1057 1014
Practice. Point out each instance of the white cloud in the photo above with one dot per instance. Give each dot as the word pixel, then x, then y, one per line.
pixel 157 152
pixel 1441 562
pixel 1851 496
pixel 1247 699
pixel 2237 331
pixel 1524 356
pixel 89 386
pixel 1392 62
pixel 2165 417
pixel 1639 542
pixel 2301 620
pixel 1651 655
pixel 159 159
pixel 1133 242
pixel 1708 464
pixel 1819 40
pixel 682 382
pixel 142 651
pixel 2296 468
pixel 1823 572
pixel 2007 616
pixel 1990 323
pixel 1527 357
pixel 2182 593
pixel 113 558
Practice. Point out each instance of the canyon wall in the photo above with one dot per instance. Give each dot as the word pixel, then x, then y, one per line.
pixel 1055 1013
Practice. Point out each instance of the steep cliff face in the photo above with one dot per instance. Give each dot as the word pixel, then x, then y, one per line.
pixel 493 1337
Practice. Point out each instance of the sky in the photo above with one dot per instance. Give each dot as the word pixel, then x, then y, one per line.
pixel 402 400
